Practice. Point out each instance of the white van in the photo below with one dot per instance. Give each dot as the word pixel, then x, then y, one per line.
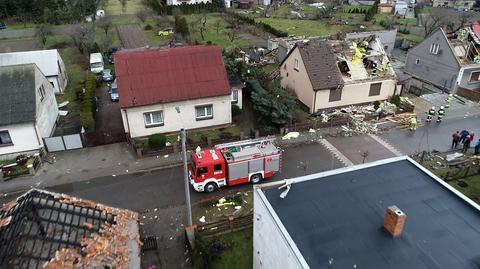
pixel 96 63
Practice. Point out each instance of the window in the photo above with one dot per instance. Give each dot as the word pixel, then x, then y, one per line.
pixel 217 167
pixel 5 138
pixel 417 61
pixel 385 47
pixel 295 65
pixel 434 48
pixel 201 171
pixel 375 89
pixel 235 96
pixel 41 92
pixel 475 77
pixel 335 95
pixel 53 85
pixel 204 112
pixel 153 119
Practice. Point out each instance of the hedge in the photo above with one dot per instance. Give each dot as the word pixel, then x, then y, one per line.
pixel 87 115
pixel 157 141
pixel 215 6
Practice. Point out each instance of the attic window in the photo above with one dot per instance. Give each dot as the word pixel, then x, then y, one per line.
pixel 5 138
pixel 296 65
pixel 343 66
pixel 434 48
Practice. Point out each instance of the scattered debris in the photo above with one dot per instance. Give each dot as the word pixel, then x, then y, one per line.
pixel 291 135
pixel 202 219
pixel 63 104
pixel 62 112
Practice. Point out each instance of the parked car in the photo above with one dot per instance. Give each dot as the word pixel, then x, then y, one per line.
pixel 3 25
pixel 107 75
pixel 165 32
pixel 113 91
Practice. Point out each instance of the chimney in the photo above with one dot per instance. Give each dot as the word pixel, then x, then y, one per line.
pixel 394 221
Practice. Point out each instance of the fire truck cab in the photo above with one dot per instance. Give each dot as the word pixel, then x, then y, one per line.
pixel 234 163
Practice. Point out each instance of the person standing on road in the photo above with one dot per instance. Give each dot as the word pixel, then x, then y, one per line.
pixel 413 123
pixel 466 144
pixel 441 114
pixel 463 135
pixel 431 114
pixel 448 100
pixel 455 140
pixel 477 147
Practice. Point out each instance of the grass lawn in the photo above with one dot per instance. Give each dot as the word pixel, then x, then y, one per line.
pixel 76 77
pixel 411 37
pixel 411 21
pixel 114 7
pixel 237 252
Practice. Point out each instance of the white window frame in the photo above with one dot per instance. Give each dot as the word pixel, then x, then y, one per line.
pixel 149 115
pixel 207 116
pixel 434 48
pixel 296 65
pixel 234 97
pixel 471 75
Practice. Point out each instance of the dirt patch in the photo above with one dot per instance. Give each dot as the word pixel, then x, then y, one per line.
pixel 132 36
pixel 18 45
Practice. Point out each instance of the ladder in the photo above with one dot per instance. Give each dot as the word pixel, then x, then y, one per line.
pixel 244 143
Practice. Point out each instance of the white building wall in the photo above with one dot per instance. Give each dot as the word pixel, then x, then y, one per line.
pixel 47 109
pixel 62 78
pixel 24 139
pixel 270 247
pixel 177 2
pixel 239 103
pixel 134 123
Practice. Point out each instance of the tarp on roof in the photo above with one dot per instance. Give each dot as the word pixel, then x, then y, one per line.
pixel 149 76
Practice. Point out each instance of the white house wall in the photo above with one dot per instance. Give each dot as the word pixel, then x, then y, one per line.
pixel 47 109
pixel 133 119
pixel 355 94
pixel 270 248
pixel 176 2
pixel 24 139
pixel 62 78
pixel 239 103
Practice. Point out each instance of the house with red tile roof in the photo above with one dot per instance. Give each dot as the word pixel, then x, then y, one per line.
pixel 164 90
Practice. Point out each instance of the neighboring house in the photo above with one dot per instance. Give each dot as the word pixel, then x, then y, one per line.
pixel 401 8
pixel 189 2
pixel 449 64
pixel 48 61
pixel 164 90
pixel 28 110
pixel 325 74
pixel 392 213
pixel 463 5
pixel 385 8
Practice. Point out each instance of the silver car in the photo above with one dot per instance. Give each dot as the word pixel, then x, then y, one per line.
pixel 107 75
pixel 113 91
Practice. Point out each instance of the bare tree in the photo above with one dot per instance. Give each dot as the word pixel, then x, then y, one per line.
pixel 203 25
pixel 105 23
pixel 232 34
pixel 124 5
pixel 143 14
pixel 43 31
pixel 431 23
pixel 81 36
pixel 218 23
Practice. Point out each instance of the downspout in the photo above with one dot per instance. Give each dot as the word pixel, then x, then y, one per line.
pixel 314 103
pixel 126 118
pixel 36 133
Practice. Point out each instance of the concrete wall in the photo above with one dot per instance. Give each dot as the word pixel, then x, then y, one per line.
pixel 133 117
pixel 24 138
pixel 47 109
pixel 439 69
pixel 355 94
pixel 270 248
pixel 297 81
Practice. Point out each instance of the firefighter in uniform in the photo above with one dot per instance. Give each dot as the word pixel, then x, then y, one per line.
pixel 430 114
pixel 448 100
pixel 441 114
pixel 413 123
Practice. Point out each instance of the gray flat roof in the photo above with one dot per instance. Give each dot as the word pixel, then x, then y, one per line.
pixel 338 218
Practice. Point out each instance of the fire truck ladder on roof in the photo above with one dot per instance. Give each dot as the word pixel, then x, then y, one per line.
pixel 244 143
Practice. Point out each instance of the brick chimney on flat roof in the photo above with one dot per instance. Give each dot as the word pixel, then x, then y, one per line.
pixel 394 221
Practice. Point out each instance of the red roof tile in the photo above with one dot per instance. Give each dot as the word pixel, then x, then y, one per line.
pixel 156 76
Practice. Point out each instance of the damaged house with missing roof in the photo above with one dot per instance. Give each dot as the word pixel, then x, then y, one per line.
pixel 326 74
pixel 448 61
pixel 48 230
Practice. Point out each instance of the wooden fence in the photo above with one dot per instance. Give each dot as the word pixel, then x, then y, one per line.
pixel 230 224
pixel 473 95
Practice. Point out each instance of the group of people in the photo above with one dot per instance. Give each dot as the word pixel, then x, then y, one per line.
pixel 431 113
pixel 465 138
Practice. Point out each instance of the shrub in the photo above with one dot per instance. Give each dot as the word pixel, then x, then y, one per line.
pixel 87 114
pixel 376 104
pixel 148 27
pixel 236 110
pixel 396 100
pixel 157 141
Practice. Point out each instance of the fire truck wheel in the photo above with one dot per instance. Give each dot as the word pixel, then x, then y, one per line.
pixel 256 178
pixel 210 187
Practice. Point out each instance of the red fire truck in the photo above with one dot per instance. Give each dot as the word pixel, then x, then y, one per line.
pixel 234 163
